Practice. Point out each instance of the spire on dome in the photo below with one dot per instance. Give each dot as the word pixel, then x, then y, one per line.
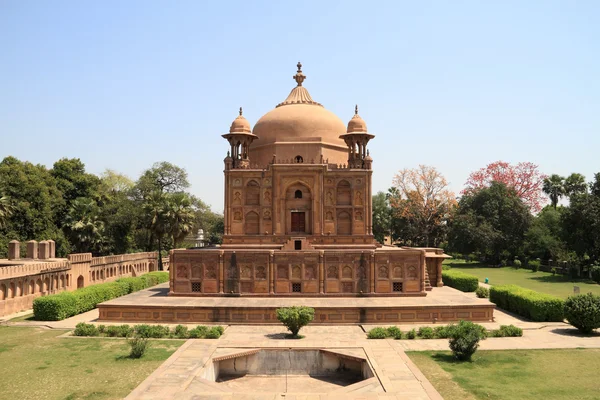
pixel 240 111
pixel 355 109
pixel 299 94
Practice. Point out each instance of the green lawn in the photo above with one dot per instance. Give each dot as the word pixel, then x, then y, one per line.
pixel 545 282
pixel 514 374
pixel 36 364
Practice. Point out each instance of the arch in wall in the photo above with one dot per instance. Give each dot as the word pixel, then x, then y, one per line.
pixel 19 289
pixel 343 193
pixel 80 282
pixel 11 290
pixel 68 280
pixel 31 287
pixel 46 284
pixel 38 286
pixel 252 193
pixel 344 223
pixel 252 224
pixel 298 209
pixel 3 292
pixel 102 274
pixel 62 281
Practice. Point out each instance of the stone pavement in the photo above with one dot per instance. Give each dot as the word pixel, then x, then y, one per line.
pixel 396 377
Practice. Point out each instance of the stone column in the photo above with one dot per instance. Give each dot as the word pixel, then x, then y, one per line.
pixel 32 249
pixel 271 272
pixel 43 250
pixel 372 271
pixel 14 250
pixel 321 272
pixel 439 282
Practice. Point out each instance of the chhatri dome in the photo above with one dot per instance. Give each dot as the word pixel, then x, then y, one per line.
pixel 240 124
pixel 299 126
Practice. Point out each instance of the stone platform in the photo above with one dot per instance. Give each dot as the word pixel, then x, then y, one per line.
pixel 154 305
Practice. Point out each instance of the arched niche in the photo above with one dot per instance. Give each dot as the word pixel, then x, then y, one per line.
pixel 252 224
pixel 344 193
pixel 252 193
pixel 344 223
pixel 298 209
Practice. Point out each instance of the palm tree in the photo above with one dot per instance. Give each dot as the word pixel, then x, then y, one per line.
pixel 6 210
pixel 554 186
pixel 155 207
pixel 180 216
pixel 575 184
pixel 84 225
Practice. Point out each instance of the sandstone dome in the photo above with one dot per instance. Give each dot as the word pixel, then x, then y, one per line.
pixel 299 119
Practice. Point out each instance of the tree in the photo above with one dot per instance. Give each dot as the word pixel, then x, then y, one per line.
pixel 294 318
pixel 422 200
pixel 180 216
pixel 84 226
pixel 382 216
pixel 554 187
pixel 524 178
pixel 156 210
pixel 163 177
pixel 543 239
pixel 575 184
pixel 5 210
pixel 114 182
pixel 491 221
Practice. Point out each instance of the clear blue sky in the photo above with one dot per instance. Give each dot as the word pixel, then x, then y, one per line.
pixel 453 84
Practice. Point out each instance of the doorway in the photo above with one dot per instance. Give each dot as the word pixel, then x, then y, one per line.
pixel 298 221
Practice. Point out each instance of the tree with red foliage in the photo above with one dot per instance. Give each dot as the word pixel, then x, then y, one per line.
pixel 524 178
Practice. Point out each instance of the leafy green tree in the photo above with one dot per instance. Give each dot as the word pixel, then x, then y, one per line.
pixel 5 210
pixel 84 226
pixel 119 213
pixel 575 184
pixel 382 216
pixel 180 216
pixel 295 317
pixel 554 187
pixel 491 221
pixel 543 239
pixel 156 209
pixel 163 177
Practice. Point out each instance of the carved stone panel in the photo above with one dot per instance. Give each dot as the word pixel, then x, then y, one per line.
pixel 182 271
pixel 210 272
pixel 382 272
pixel 332 272
pixel 282 272
pixel 347 272
pixel 261 272
pixel 296 272
pixel 310 272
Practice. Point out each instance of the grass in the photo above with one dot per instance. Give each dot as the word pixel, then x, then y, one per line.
pixel 557 285
pixel 35 364
pixel 514 374
pixel 26 317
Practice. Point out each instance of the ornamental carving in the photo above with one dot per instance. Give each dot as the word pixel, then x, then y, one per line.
pixel 267 197
pixel 196 270
pixel 329 216
pixel 246 272
pixel 383 271
pixel 358 216
pixel 267 215
pixel 412 272
pixel 261 273
pixel 282 272
pixel 309 272
pixel 237 198
pixel 332 272
pixel 182 272
pixel 359 199
pixel 397 271
pixel 210 272
pixel 237 215
pixel 329 198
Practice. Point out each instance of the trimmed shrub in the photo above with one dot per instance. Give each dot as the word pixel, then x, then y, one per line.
pixel 460 280
pixel 443 332
pixel 213 333
pixel 446 267
pixel 152 331
pixel 394 332
pixel 506 331
pixel 527 303
pixel 180 332
pixel 83 329
pixel 464 339
pixel 377 333
pixel 139 345
pixel 57 307
pixel 583 312
pixel 517 263
pixel 482 292
pixel 535 265
pixel 595 273
pixel 412 334
pixel 426 332
pixel 101 328
pixel 294 318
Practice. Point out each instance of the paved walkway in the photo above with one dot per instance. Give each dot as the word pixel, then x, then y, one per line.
pixel 396 377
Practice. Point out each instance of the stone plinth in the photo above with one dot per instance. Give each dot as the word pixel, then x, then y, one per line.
pixel 14 250
pixel 52 244
pixel 43 250
pixel 32 249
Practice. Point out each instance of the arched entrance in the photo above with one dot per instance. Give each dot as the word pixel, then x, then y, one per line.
pixel 80 282
pixel 298 209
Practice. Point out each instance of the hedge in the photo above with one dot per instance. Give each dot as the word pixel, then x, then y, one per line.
pixel 459 280
pixel 57 307
pixel 528 303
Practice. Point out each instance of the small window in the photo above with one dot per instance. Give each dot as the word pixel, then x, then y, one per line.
pixel 299 159
pixel 397 286
pixel 196 287
pixel 298 194
pixel 297 287
pixel 297 244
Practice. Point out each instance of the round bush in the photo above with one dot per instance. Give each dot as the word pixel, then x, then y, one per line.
pixel 482 292
pixel 426 332
pixel 412 334
pixel 377 333
pixel 583 312
pixel 294 318
pixel 394 332
pixel 464 339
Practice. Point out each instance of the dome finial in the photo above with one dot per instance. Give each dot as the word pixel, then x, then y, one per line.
pixel 299 77
pixel 356 109
pixel 240 110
